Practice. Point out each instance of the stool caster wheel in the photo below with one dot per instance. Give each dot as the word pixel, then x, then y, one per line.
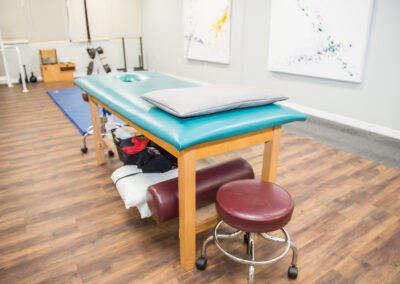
pixel 246 238
pixel 292 272
pixel 84 150
pixel 110 153
pixel 201 263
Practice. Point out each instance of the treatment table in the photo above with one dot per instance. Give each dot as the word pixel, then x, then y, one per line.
pixel 189 139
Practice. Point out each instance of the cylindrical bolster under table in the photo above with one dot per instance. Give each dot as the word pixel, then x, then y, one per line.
pixel 162 198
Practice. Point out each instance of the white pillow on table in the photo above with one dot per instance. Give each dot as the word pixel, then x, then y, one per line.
pixel 186 102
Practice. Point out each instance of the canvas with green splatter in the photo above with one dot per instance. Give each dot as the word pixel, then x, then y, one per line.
pixel 320 38
pixel 207 30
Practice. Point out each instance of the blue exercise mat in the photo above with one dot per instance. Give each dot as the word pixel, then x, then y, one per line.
pixel 70 101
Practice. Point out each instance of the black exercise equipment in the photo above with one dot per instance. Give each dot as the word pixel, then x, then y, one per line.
pixel 91 52
pixel 99 50
pixel 33 78
pixel 107 68
pixel 90 68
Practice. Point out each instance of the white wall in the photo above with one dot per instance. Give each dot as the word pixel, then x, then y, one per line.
pixel 107 19
pixel 25 22
pixel 51 20
pixel 374 104
pixel 73 52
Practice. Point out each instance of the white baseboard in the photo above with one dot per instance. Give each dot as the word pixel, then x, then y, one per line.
pixel 3 79
pixel 77 75
pixel 182 78
pixel 346 120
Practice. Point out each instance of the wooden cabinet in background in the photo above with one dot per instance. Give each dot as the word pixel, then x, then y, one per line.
pixel 58 72
pixel 51 70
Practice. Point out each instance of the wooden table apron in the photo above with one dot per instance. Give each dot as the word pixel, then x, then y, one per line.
pixel 187 169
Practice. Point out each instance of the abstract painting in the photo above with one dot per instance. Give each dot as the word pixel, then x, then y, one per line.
pixel 320 38
pixel 207 30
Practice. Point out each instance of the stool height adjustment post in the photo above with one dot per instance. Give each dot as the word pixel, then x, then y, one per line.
pixel 252 257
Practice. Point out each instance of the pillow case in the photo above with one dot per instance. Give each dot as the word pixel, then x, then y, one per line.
pixel 186 102
pixel 132 186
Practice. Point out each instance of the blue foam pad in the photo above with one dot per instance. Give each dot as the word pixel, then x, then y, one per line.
pixel 121 93
pixel 70 101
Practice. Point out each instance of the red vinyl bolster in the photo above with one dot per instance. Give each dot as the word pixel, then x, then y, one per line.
pixel 162 198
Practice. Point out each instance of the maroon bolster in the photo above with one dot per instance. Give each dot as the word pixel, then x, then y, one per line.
pixel 85 96
pixel 162 198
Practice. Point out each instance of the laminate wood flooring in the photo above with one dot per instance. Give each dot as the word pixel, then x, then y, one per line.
pixel 62 220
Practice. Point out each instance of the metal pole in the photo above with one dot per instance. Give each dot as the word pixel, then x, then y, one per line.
pixel 123 49
pixel 87 22
pixel 141 54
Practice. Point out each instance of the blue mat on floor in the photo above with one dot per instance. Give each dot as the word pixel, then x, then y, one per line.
pixel 70 101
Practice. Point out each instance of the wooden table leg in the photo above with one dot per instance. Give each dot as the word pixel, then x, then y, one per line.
pixel 98 141
pixel 187 208
pixel 271 152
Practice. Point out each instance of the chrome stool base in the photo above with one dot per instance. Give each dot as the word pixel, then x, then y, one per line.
pixel 249 239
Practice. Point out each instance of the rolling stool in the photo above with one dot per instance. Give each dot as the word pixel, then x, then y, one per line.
pixel 253 207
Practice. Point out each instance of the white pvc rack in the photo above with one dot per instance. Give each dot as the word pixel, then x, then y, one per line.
pixel 3 53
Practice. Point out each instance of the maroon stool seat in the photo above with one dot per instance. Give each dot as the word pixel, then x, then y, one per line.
pixel 254 206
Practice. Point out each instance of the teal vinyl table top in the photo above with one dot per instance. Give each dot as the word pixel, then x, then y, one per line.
pixel 121 93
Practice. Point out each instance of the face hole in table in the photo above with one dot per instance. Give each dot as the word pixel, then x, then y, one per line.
pixel 131 78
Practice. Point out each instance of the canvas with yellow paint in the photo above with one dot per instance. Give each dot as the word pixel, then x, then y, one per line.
pixel 207 30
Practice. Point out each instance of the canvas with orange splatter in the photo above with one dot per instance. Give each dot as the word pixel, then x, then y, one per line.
pixel 207 30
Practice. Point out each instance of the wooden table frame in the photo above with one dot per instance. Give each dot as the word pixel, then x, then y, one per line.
pixel 188 224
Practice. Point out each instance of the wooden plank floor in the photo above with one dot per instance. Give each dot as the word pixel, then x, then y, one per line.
pixel 62 220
